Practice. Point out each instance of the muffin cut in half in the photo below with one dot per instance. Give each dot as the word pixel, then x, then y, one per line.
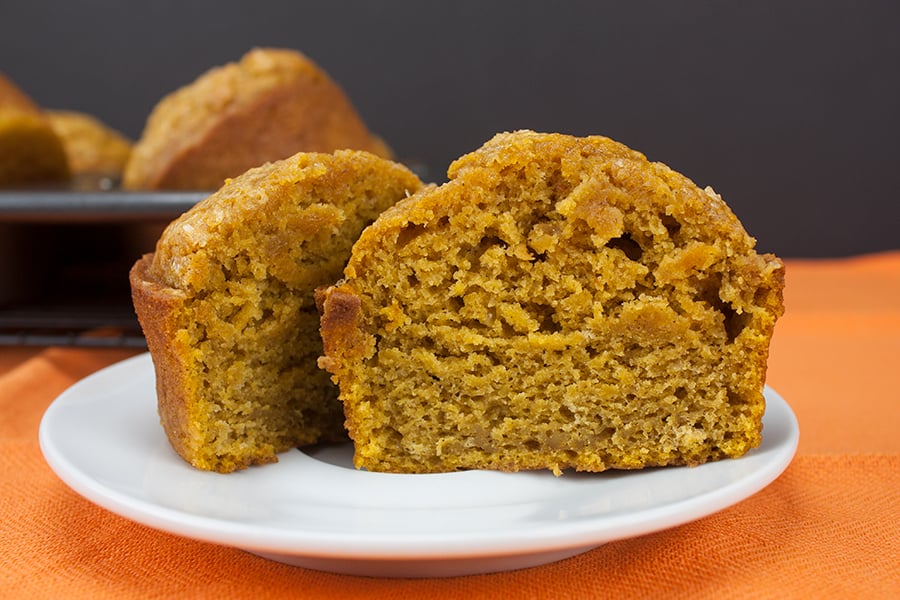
pixel 226 304
pixel 560 302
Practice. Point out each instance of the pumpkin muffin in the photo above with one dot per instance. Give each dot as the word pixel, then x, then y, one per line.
pixel 226 304
pixel 30 151
pixel 271 104
pixel 559 303
pixel 91 146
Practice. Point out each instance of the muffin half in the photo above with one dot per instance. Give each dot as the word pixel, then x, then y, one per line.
pixel 226 304
pixel 560 302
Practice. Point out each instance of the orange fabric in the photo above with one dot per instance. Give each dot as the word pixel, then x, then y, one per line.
pixel 14 356
pixel 828 527
pixel 835 355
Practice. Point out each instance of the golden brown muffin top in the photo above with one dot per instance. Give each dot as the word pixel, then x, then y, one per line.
pixel 182 121
pixel 227 87
pixel 300 202
pixel 30 151
pixel 92 146
pixel 12 97
pixel 596 164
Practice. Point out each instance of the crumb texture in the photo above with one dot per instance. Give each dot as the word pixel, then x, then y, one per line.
pixel 559 303
pixel 228 308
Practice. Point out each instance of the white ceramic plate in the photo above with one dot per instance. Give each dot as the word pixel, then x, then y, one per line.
pixel 103 438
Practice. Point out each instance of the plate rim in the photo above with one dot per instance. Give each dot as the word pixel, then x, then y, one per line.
pixel 549 537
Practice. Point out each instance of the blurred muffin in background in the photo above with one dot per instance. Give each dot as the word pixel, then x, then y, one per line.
pixel 91 146
pixel 30 150
pixel 270 105
pixel 11 97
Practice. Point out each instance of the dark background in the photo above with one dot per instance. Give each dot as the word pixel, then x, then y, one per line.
pixel 788 109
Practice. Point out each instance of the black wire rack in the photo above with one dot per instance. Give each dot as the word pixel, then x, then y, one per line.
pixel 79 326
pixel 65 253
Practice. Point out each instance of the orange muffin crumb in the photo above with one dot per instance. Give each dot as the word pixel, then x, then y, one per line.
pixel 226 304
pixel 560 302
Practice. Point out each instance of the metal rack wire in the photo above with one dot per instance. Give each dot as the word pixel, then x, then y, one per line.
pixel 64 259
pixel 89 327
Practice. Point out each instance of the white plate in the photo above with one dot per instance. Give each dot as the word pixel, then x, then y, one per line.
pixel 102 437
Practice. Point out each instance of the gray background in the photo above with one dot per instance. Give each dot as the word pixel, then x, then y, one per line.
pixel 788 109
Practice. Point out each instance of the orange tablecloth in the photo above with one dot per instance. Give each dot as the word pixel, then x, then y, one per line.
pixel 828 527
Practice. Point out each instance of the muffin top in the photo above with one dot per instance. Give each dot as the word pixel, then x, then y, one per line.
pixel 592 190
pixel 30 150
pixel 279 217
pixel 267 106
pixel 91 146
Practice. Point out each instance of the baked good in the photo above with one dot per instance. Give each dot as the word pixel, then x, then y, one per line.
pixel 30 151
pixel 13 97
pixel 270 105
pixel 91 146
pixel 226 304
pixel 560 302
